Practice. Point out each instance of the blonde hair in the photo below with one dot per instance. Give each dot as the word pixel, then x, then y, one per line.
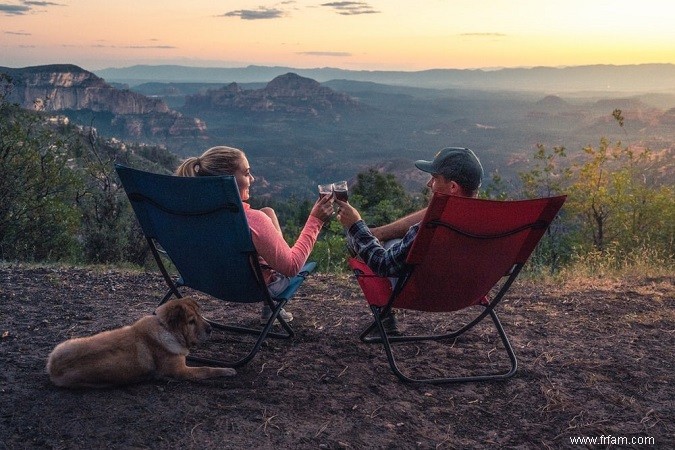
pixel 220 160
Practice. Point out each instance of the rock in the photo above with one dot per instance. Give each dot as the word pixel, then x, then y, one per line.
pixel 66 87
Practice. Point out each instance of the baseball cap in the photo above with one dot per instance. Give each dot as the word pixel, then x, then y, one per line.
pixel 455 163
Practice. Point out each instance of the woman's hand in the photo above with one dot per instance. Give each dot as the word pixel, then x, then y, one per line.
pixel 323 208
pixel 347 214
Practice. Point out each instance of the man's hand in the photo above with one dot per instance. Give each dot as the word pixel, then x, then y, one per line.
pixel 347 214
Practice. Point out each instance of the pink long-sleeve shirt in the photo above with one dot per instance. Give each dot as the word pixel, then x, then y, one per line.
pixel 272 247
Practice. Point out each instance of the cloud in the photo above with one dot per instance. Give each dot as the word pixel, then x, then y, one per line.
pixel 351 8
pixel 483 34
pixel 159 47
pixel 18 33
pixel 335 54
pixel 14 10
pixel 34 3
pixel 256 14
pixel 24 8
pixel 136 47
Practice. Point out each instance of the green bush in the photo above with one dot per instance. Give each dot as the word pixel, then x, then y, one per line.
pixel 38 220
pixel 330 251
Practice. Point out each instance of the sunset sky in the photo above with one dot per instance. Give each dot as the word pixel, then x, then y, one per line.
pixel 405 35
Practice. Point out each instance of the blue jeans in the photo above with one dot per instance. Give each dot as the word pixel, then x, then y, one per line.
pixel 388 244
pixel 278 284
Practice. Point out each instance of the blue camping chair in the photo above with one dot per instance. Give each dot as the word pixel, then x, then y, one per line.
pixel 200 225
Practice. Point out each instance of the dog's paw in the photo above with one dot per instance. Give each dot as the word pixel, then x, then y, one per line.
pixel 227 372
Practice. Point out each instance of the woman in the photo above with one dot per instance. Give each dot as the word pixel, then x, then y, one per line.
pixel 279 261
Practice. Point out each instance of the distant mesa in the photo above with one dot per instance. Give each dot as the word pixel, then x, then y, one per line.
pixel 552 102
pixel 70 89
pixel 289 93
pixel 66 86
pixel 669 117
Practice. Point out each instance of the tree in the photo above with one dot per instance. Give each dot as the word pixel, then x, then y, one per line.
pixel 496 188
pixel 109 230
pixel 381 198
pixel 616 195
pixel 38 220
pixel 549 177
pixel 59 195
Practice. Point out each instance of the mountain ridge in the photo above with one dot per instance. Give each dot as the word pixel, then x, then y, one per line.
pixel 288 93
pixel 657 77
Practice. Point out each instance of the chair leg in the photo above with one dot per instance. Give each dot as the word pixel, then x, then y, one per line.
pixel 262 334
pixel 380 314
pixel 276 305
pixel 168 296
pixel 387 342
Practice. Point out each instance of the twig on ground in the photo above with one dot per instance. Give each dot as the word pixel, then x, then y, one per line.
pixel 322 429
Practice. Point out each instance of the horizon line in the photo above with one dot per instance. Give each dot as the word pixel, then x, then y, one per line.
pixel 273 66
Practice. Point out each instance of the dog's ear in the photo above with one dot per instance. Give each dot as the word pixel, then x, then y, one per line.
pixel 191 303
pixel 176 315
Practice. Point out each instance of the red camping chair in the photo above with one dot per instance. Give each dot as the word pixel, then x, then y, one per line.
pixel 466 248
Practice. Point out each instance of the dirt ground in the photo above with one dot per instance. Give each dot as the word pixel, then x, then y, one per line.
pixel 595 361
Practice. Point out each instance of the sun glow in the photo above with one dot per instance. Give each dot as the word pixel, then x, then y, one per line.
pixel 392 35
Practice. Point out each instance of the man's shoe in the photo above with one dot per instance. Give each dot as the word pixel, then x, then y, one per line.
pixel 390 324
pixel 267 313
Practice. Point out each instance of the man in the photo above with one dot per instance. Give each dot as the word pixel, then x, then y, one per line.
pixel 454 171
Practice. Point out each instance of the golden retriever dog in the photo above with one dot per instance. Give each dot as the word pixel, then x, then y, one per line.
pixel 153 347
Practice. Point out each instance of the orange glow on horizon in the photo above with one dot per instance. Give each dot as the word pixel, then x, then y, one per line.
pixel 394 35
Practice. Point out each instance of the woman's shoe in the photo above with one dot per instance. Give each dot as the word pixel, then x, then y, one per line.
pixel 267 313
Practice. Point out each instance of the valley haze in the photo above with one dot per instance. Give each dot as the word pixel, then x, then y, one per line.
pixel 301 127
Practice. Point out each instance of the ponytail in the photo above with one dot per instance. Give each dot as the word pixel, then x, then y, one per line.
pixel 189 167
pixel 220 160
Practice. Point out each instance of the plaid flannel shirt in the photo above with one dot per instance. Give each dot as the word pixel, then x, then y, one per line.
pixel 385 262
